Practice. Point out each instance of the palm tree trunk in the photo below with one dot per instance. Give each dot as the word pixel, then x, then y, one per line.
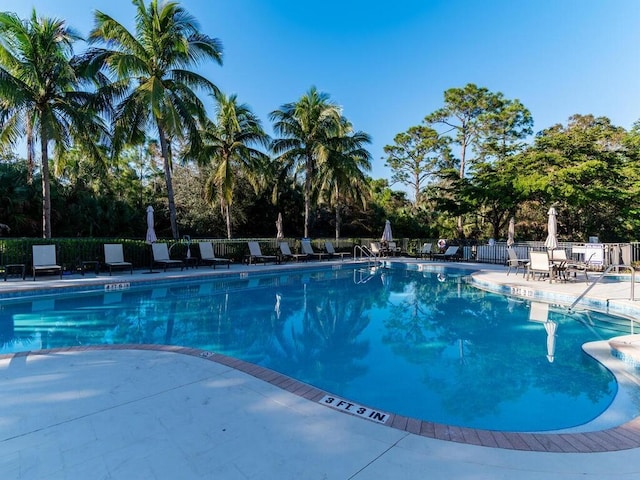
pixel 46 187
pixel 307 194
pixel 463 155
pixel 168 180
pixel 30 151
pixel 337 213
pixel 227 212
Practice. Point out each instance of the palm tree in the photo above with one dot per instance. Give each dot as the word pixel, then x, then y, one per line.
pixel 40 94
pixel 229 147
pixel 342 175
pixel 306 128
pixel 154 61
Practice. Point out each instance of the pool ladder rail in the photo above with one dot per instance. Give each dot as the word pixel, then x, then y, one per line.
pixel 361 252
pixel 608 269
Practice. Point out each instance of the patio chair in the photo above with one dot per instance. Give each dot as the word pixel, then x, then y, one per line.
pixel 579 267
pixel 208 256
pixel 394 249
pixel 376 249
pixel 328 246
pixel 45 260
pixel 288 255
pixel 539 263
pixel 558 258
pixel 161 256
pixel 426 250
pixel 114 257
pixel 255 255
pixel 515 262
pixel 451 253
pixel 308 249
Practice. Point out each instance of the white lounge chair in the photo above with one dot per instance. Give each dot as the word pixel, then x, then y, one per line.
pixel 286 253
pixel 376 249
pixel 208 256
pixel 394 249
pixel 449 254
pixel 255 254
pixel 308 249
pixel 114 257
pixel 45 260
pixel 332 251
pixel 161 256
pixel 426 250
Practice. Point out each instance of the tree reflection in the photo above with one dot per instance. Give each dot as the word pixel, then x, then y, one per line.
pixel 459 335
pixel 323 332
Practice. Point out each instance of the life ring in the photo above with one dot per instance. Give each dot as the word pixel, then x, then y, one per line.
pixel 442 277
pixel 442 243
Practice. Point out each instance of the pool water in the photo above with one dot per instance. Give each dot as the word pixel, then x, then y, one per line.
pixel 423 345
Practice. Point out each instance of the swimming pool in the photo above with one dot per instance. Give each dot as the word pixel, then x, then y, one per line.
pixel 419 344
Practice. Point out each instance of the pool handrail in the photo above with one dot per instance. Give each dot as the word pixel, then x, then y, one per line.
pixel 633 281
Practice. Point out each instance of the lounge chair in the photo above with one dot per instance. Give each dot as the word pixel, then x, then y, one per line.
pixel 394 249
pixel 161 256
pixel 539 263
pixel 44 259
pixel 255 254
pixel 308 249
pixel 426 250
pixel 515 262
pixel 208 256
pixel 376 249
pixel 114 257
pixel 332 251
pixel 451 253
pixel 287 255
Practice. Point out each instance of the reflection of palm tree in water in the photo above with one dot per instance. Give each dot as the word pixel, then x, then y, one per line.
pixel 410 326
pixel 324 335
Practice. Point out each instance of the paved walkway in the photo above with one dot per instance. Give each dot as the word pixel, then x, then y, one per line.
pixel 166 412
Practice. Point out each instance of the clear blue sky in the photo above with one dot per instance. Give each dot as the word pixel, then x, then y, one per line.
pixel 388 63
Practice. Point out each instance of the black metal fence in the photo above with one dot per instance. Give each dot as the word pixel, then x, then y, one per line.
pixel 71 252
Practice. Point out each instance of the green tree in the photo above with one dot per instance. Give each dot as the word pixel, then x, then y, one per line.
pixel 153 64
pixel 229 146
pixel 342 176
pixel 305 129
pixel 579 169
pixel 415 157
pixel 41 94
pixel 484 125
pixel 490 193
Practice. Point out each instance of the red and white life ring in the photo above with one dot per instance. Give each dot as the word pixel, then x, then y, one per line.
pixel 442 243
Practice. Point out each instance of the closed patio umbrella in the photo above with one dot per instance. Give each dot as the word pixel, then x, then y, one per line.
pixel 151 233
pixel 551 327
pixel 552 227
pixel 280 232
pixel 387 236
pixel 511 232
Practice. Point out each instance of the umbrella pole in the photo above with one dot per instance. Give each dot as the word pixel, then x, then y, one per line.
pixel 151 262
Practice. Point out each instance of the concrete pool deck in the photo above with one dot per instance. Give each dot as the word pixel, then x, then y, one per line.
pixel 167 412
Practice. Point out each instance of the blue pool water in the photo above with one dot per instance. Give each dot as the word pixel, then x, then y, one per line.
pixel 423 345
